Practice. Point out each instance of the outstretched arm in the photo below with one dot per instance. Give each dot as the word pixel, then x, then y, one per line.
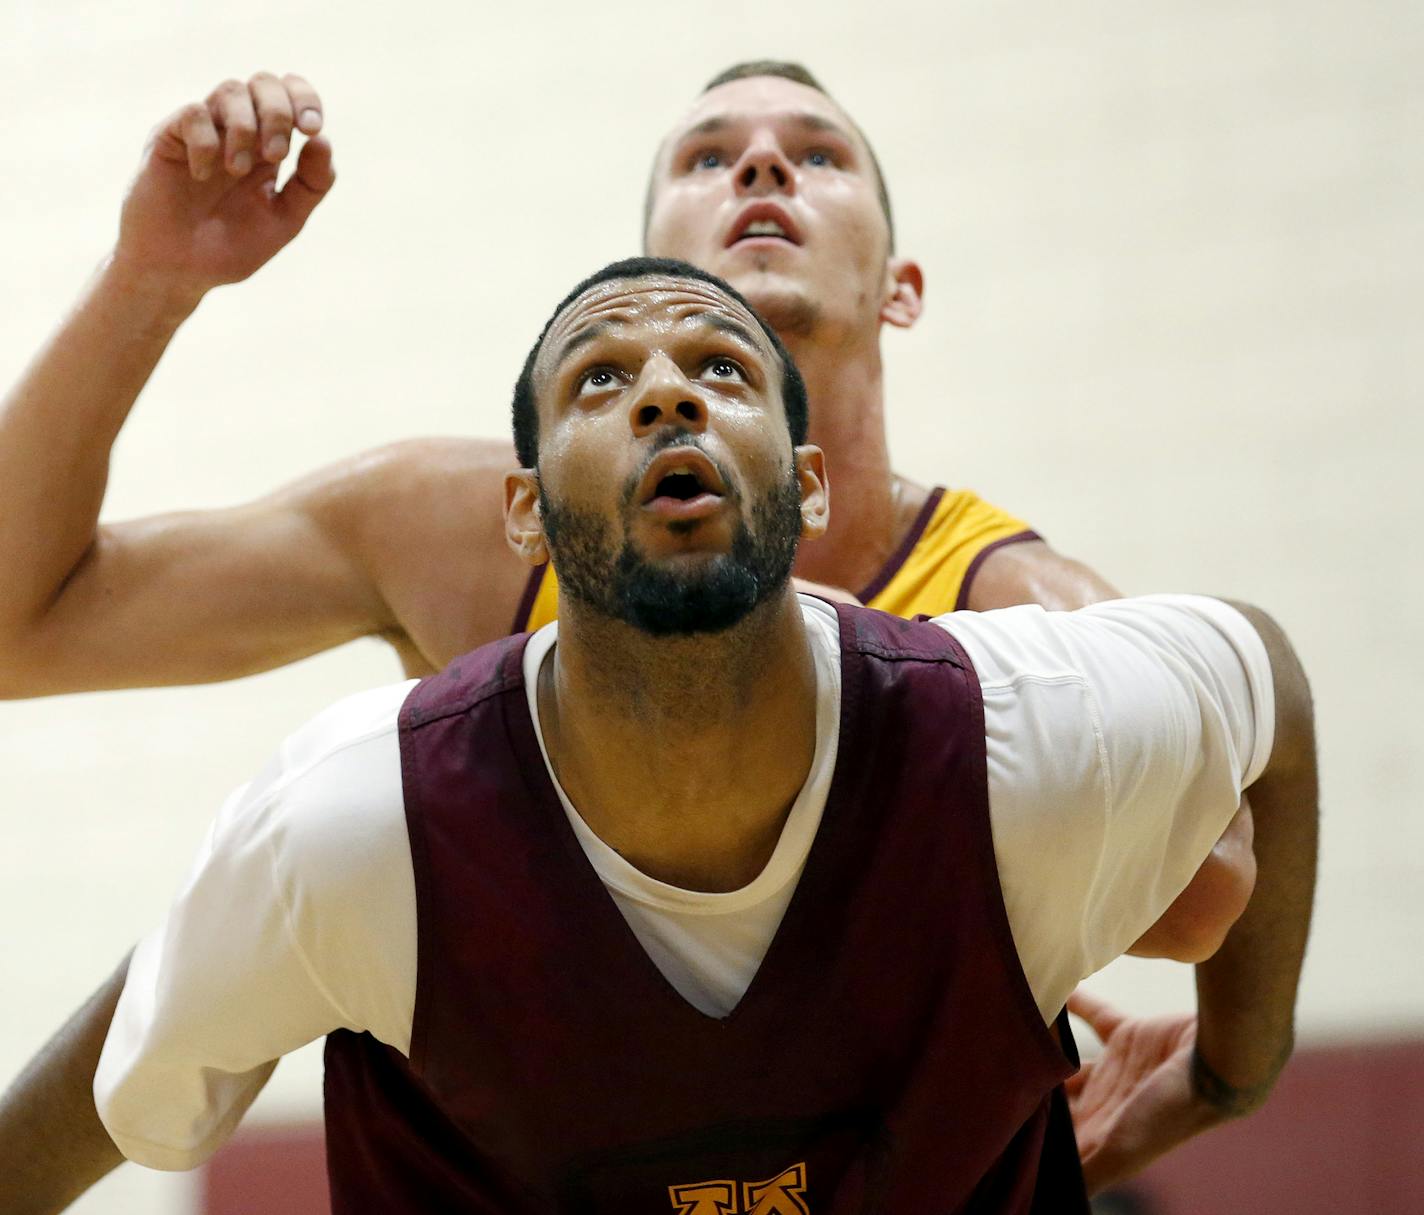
pixel 78 602
pixel 51 1138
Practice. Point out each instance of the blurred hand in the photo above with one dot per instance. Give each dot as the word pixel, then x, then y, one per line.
pixel 1136 1100
pixel 204 208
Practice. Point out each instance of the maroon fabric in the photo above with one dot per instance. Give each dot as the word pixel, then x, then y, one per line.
pixel 887 1056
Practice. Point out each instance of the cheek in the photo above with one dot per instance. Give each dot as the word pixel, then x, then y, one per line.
pixel 579 459
pixel 760 447
pixel 853 215
pixel 679 218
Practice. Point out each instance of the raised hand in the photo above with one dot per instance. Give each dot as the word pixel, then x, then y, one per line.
pixel 1137 1099
pixel 204 208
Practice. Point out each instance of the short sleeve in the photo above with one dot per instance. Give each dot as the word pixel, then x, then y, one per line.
pixel 298 918
pixel 1119 739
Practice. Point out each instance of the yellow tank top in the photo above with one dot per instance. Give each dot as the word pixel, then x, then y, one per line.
pixel 930 573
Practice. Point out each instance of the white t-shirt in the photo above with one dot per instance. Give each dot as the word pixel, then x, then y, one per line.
pixel 1119 738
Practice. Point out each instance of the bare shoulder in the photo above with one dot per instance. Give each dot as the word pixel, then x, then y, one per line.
pixel 429 465
pixel 425 518
pixel 423 485
pixel 1031 571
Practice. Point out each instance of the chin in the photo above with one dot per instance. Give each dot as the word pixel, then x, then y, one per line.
pixel 783 301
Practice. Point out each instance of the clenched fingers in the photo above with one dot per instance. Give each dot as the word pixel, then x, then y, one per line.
pixel 256 118
pixel 242 124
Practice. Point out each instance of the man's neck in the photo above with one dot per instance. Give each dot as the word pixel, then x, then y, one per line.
pixel 871 508
pixel 683 754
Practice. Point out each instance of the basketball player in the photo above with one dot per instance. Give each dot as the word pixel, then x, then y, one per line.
pixel 704 899
pixel 402 542
pixel 766 181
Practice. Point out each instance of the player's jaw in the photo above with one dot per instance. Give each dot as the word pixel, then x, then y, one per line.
pixel 689 552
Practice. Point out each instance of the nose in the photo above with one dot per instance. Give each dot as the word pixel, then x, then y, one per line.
pixel 663 396
pixel 763 169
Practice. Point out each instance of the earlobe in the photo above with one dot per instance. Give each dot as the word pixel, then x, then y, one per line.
pixel 905 293
pixel 815 491
pixel 523 525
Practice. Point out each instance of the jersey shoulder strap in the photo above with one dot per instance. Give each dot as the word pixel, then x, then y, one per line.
pixel 932 572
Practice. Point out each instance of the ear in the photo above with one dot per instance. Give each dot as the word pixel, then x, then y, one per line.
pixel 815 491
pixel 904 292
pixel 523 526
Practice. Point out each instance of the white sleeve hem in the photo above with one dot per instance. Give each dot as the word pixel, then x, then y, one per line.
pixel 1247 643
pixel 169 1159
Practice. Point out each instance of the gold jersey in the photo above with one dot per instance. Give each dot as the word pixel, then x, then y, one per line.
pixel 929 574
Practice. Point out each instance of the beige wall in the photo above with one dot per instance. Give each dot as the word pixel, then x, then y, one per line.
pixel 1174 264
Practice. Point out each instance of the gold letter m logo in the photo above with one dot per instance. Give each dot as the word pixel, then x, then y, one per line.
pixel 784 1194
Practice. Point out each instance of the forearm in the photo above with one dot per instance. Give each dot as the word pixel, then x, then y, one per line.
pixel 1246 992
pixel 51 1138
pixel 57 427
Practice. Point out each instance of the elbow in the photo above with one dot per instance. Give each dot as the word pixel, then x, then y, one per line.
pixel 1191 930
pixel 1196 924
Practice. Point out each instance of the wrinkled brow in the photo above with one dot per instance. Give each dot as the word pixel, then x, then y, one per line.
pixel 589 333
pixel 727 325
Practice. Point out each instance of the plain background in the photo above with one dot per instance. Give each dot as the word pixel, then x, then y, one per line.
pixel 1174 271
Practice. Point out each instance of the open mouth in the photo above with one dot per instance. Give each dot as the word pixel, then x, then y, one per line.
pixel 764 221
pixel 682 484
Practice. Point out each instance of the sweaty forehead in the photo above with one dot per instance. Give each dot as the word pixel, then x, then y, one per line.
pixel 655 300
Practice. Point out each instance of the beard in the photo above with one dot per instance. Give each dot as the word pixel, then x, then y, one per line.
pixel 624 585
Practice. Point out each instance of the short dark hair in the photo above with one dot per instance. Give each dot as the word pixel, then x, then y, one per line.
pixel 525 414
pixel 796 73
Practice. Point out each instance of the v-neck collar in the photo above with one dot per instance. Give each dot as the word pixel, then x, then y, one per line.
pixel 615 933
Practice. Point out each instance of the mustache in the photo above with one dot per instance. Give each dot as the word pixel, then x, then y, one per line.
pixel 672 436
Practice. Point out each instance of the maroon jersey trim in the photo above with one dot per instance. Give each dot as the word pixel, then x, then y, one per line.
pixel 961 601
pixel 907 546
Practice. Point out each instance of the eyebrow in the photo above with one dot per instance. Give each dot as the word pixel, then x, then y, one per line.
pixel 801 118
pixel 727 325
pixel 713 320
pixel 583 337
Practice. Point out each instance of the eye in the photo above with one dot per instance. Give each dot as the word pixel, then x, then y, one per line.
pixel 707 160
pixel 819 158
pixel 595 380
pixel 725 369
